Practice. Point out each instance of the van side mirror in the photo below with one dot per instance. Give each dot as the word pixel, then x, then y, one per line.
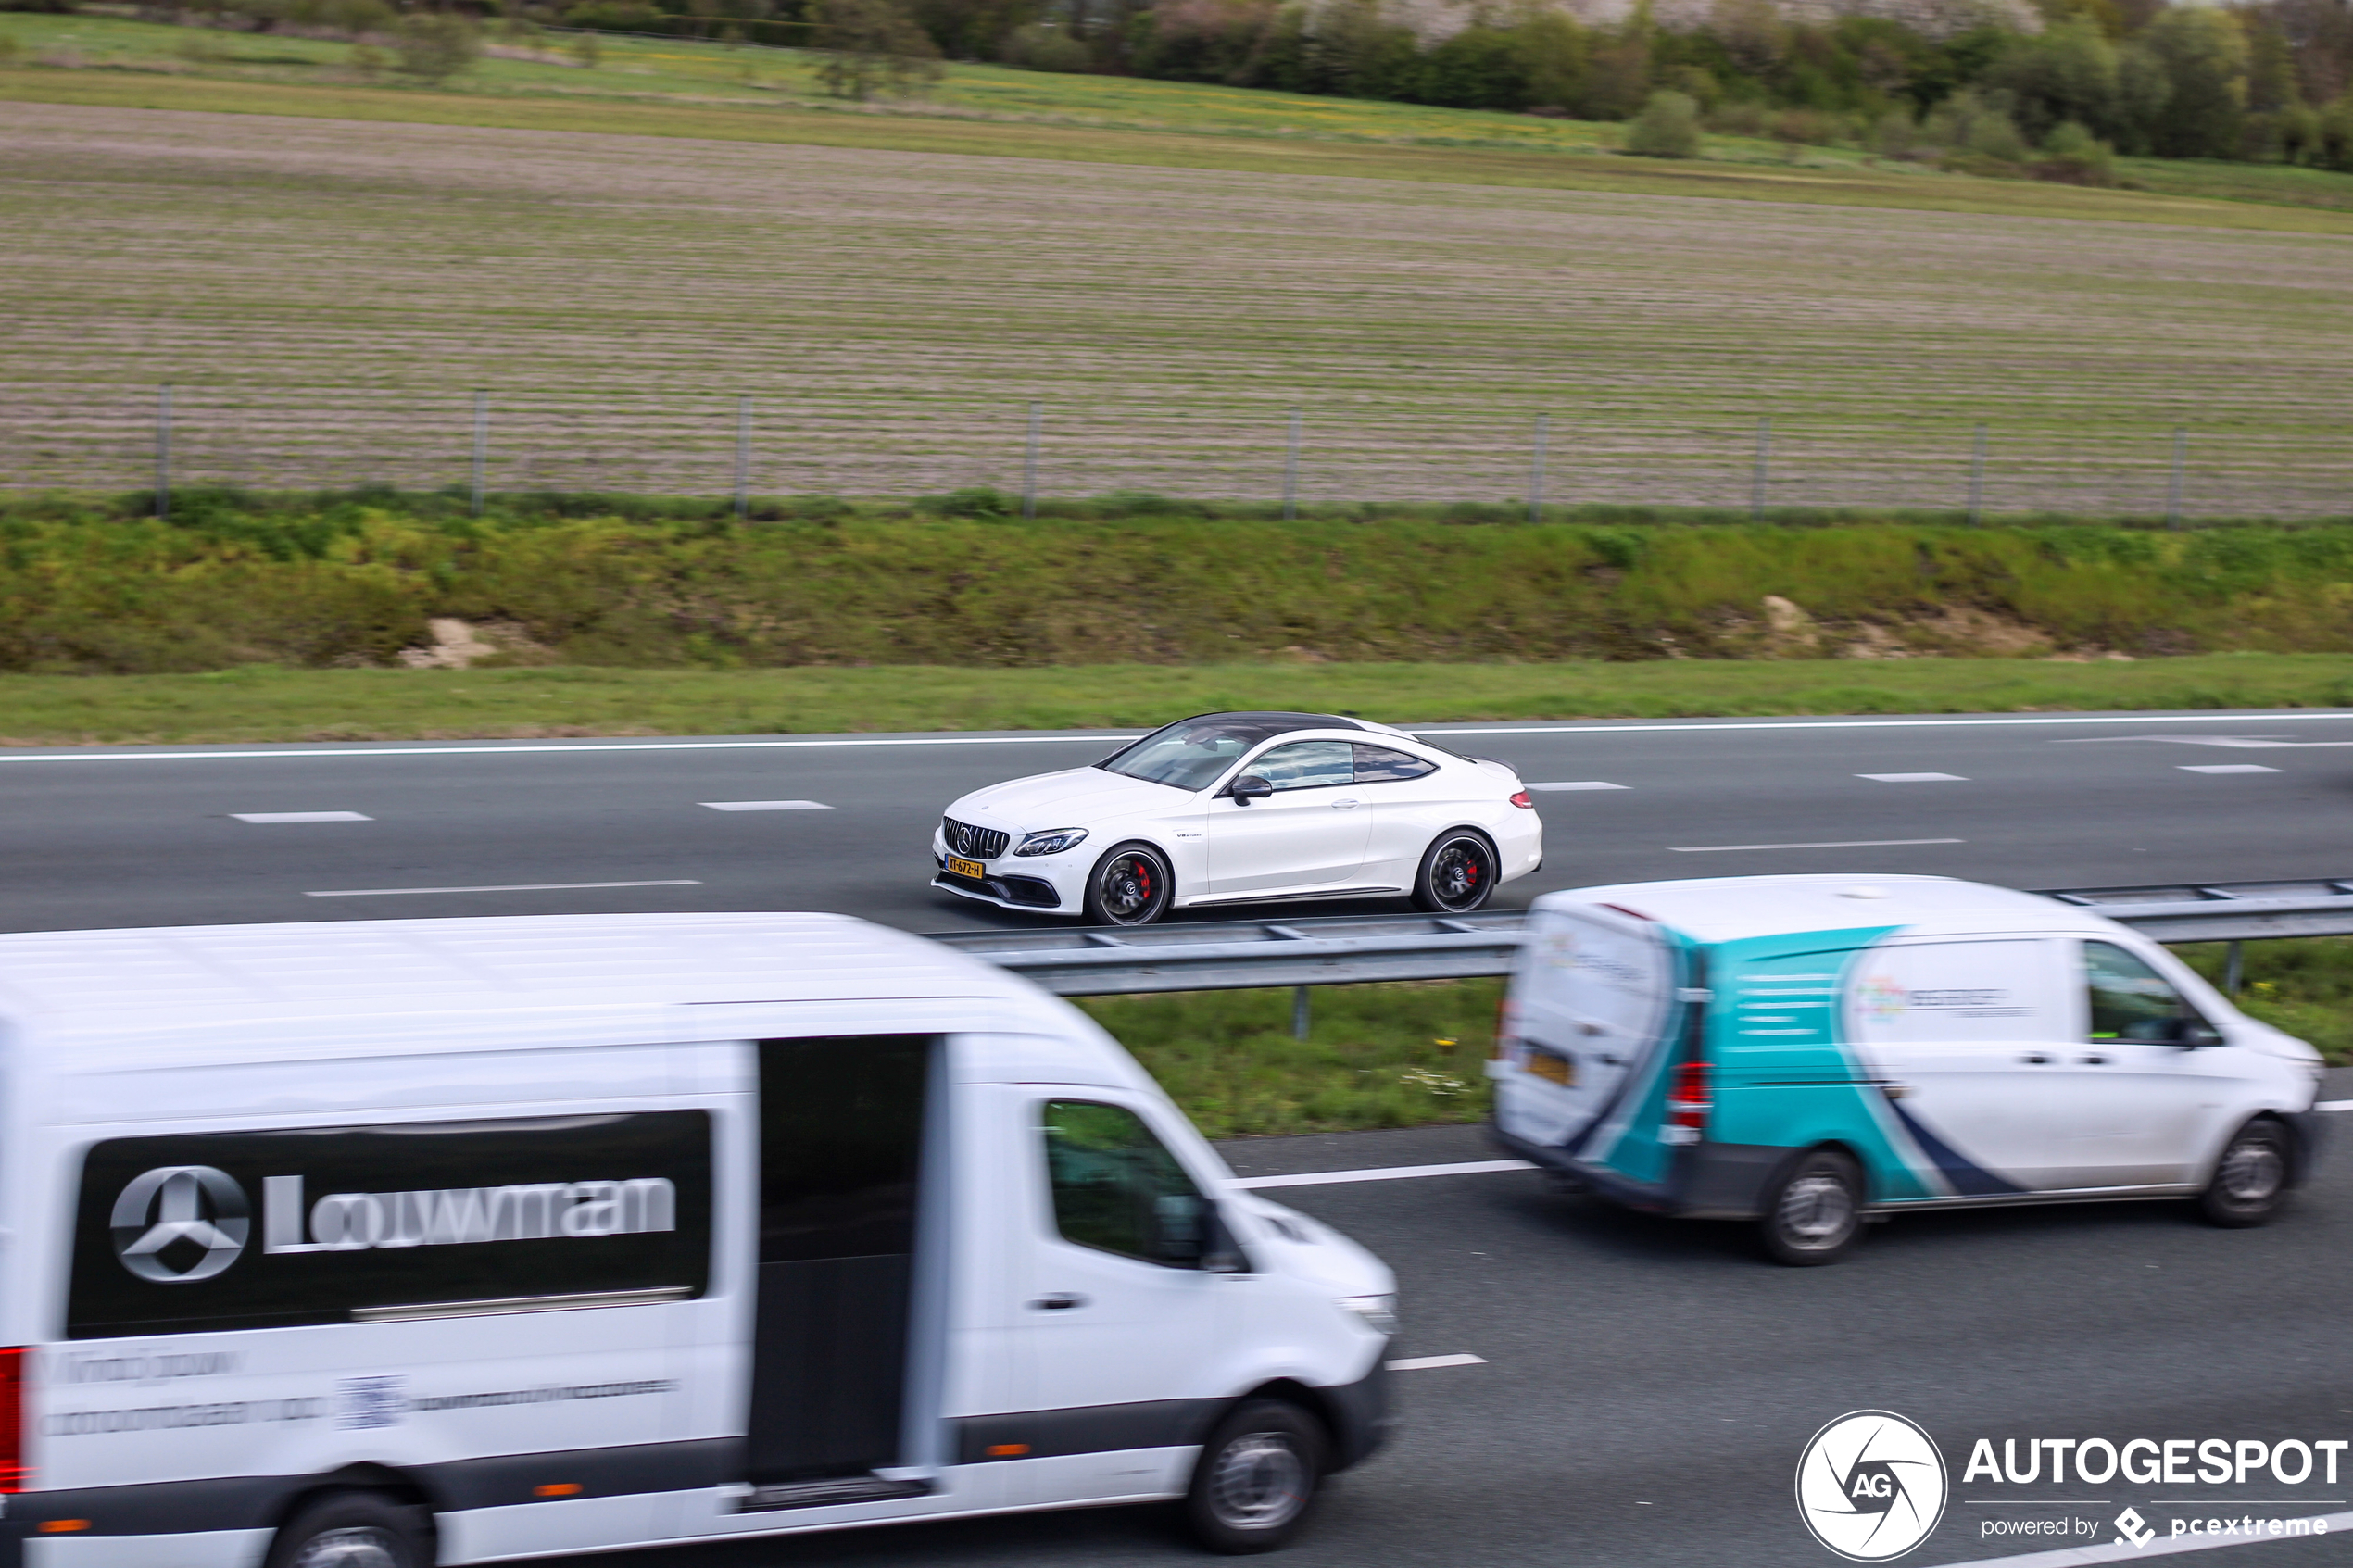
pixel 2191 1031
pixel 1249 787
pixel 1189 1233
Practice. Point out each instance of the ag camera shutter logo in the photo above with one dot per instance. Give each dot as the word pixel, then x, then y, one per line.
pixel 166 1213
pixel 1871 1485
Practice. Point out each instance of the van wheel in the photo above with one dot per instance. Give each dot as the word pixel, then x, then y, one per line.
pixel 354 1530
pixel 1256 1477
pixel 1815 1213
pixel 1130 886
pixel 2250 1180
pixel 1457 873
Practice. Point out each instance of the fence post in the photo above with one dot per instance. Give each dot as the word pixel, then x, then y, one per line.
pixel 1299 1012
pixel 163 452
pixel 1029 470
pixel 2174 486
pixel 1764 460
pixel 1977 480
pixel 482 443
pixel 743 456
pixel 1290 475
pixel 1536 476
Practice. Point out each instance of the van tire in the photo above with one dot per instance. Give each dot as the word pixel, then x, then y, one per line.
pixel 1458 874
pixel 1130 886
pixel 1814 1214
pixel 2251 1178
pixel 1257 1478
pixel 354 1529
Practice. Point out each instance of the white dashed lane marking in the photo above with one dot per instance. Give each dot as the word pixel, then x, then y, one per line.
pixel 1914 778
pixel 1833 844
pixel 508 887
pixel 765 805
pixel 1430 1363
pixel 2224 767
pixel 301 817
pixel 1579 784
pixel 1384 1173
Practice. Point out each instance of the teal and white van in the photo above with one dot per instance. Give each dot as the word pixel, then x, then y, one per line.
pixel 1813 1052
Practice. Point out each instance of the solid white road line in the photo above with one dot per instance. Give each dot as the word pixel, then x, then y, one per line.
pixel 1103 736
pixel 300 817
pixel 2117 1550
pixel 511 887
pixel 1383 1173
pixel 2334 1105
pixel 1426 1363
pixel 1835 844
pixel 1915 778
pixel 2224 767
pixel 1579 784
pixel 765 805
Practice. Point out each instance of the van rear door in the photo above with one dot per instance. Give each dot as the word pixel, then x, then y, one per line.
pixel 1591 1003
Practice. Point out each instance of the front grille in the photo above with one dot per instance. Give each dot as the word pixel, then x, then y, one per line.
pixel 971 843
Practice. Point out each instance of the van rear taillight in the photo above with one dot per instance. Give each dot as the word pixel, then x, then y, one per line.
pixel 15 1474
pixel 1688 1101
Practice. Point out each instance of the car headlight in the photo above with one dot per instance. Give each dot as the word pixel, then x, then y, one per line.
pixel 1379 1313
pixel 1053 841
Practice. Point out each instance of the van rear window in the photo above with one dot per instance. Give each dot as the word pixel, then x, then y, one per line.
pixel 201 1232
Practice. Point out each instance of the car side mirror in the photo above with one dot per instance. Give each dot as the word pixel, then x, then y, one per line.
pixel 2191 1033
pixel 1249 787
pixel 1190 1233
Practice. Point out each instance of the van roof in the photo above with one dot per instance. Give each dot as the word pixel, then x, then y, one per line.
pixel 1728 908
pixel 193 976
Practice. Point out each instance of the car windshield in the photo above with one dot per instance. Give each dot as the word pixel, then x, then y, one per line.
pixel 1195 754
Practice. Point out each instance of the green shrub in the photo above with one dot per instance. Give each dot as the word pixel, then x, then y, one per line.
pixel 2072 155
pixel 1668 127
pixel 1039 47
pixel 434 48
pixel 975 500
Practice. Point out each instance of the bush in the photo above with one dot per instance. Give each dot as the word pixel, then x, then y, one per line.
pixel 1807 128
pixel 1040 47
pixel 869 46
pixel 1896 134
pixel 1668 127
pixel 975 500
pixel 2074 157
pixel 615 16
pixel 434 48
pixel 1993 136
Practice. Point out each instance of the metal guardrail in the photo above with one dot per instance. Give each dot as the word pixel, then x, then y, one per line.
pixel 1351 950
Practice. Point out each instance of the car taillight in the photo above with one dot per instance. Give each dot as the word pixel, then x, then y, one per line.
pixel 14 1472
pixel 1688 1101
pixel 1523 798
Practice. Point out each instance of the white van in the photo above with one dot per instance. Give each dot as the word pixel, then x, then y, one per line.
pixel 380 1245
pixel 1811 1051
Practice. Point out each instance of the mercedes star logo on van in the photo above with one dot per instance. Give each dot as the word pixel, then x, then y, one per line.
pixel 1871 1485
pixel 178 1212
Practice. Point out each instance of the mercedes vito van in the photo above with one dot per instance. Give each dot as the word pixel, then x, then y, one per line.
pixel 1813 1052
pixel 389 1243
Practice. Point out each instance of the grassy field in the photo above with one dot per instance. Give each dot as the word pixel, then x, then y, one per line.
pixel 326 295
pixel 264 703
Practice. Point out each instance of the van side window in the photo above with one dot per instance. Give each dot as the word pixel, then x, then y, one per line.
pixel 1381 764
pixel 2132 1001
pixel 1116 1187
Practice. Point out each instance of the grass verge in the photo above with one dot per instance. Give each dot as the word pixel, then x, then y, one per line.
pixel 259 703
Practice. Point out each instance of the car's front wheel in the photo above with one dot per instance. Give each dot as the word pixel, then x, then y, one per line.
pixel 354 1529
pixel 2250 1180
pixel 1256 1477
pixel 1457 873
pixel 1131 885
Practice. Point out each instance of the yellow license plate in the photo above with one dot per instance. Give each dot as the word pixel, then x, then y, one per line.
pixel 966 868
pixel 1552 1069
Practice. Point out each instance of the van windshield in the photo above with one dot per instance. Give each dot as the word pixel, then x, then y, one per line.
pixel 1194 754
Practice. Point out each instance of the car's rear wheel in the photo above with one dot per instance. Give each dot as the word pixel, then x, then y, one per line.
pixel 1131 885
pixel 354 1529
pixel 2250 1180
pixel 1457 873
pixel 1815 1213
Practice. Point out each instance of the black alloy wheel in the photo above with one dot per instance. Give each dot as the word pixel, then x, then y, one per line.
pixel 1815 1213
pixel 1458 874
pixel 1131 885
pixel 354 1529
pixel 2250 1180
pixel 1256 1477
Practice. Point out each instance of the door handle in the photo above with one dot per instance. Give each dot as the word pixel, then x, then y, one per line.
pixel 1346 805
pixel 1895 1091
pixel 2096 1061
pixel 1061 1300
pixel 2034 1058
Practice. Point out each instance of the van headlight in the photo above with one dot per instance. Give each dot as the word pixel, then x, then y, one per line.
pixel 1053 841
pixel 1379 1313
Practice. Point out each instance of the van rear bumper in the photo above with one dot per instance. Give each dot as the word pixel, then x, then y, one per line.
pixel 1706 1180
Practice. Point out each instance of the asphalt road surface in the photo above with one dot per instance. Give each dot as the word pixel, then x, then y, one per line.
pixel 155 836
pixel 1648 1384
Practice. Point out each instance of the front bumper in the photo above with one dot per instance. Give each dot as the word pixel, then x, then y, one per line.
pixel 1704 1181
pixel 1360 1413
pixel 1037 885
pixel 2312 1130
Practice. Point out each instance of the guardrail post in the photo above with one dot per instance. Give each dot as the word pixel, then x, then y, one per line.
pixel 1763 475
pixel 482 443
pixel 2232 970
pixel 1536 476
pixel 743 456
pixel 2174 486
pixel 1977 480
pixel 1029 470
pixel 1291 473
pixel 163 452
pixel 1299 1012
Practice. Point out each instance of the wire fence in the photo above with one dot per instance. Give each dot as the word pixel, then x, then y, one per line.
pixel 1291 453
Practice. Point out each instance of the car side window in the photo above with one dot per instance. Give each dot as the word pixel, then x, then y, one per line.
pixel 1306 764
pixel 1380 764
pixel 1116 1187
pixel 2132 1001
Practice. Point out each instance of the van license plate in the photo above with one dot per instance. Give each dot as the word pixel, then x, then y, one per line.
pixel 973 869
pixel 1552 1069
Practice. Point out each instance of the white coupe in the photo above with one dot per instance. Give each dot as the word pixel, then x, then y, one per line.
pixel 1242 809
